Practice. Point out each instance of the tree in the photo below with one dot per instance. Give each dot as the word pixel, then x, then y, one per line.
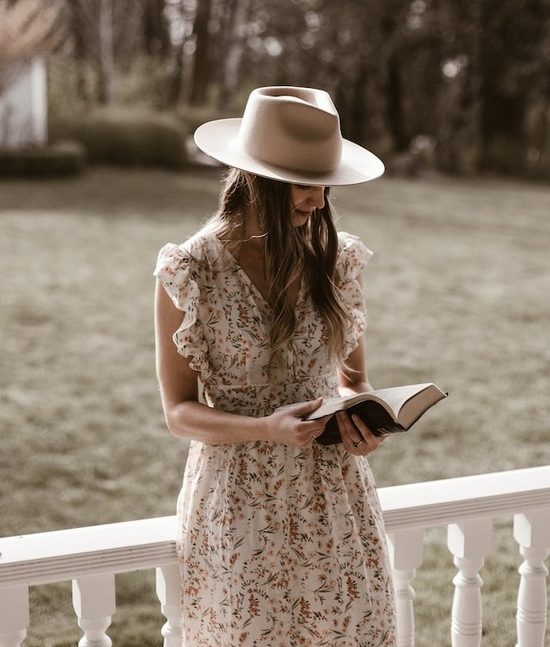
pixel 513 78
pixel 232 38
pixel 201 67
pixel 105 33
pixel 155 29
pixel 461 26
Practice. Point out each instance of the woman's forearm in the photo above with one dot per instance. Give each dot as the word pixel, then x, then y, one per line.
pixel 350 388
pixel 196 421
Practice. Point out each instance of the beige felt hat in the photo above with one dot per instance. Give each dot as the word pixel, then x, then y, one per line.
pixel 289 134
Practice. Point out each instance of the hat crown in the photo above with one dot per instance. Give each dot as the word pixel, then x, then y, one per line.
pixel 292 128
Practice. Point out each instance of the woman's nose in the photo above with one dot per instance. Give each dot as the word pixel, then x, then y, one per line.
pixel 317 196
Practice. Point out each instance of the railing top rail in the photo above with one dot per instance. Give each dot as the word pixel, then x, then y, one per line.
pixel 65 554
pixel 61 555
pixel 436 503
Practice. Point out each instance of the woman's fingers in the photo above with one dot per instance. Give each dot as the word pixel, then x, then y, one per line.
pixel 313 427
pixel 351 438
pixel 373 442
pixel 356 436
pixel 307 431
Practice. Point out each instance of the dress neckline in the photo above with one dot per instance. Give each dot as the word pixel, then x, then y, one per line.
pixel 246 278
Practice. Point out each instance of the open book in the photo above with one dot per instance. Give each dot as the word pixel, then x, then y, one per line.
pixel 384 411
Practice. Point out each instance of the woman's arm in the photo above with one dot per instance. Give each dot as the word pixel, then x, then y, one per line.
pixel 356 436
pixel 187 417
pixel 354 378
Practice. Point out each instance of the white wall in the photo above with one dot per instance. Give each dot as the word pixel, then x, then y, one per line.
pixel 23 107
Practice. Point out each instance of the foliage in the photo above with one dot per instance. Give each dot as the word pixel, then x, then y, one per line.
pixel 126 137
pixel 105 30
pixel 72 86
pixel 60 158
pixel 454 294
pixel 470 76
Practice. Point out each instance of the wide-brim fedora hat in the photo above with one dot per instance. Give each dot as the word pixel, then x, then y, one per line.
pixel 291 134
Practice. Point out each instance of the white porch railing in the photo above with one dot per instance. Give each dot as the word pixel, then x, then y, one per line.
pixel 91 557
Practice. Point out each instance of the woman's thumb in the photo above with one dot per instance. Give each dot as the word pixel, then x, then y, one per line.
pixel 304 408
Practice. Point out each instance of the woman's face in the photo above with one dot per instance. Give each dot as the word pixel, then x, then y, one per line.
pixel 304 200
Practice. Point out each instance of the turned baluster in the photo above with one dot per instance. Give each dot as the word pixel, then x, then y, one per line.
pixel 532 532
pixel 14 615
pixel 94 604
pixel 469 541
pixel 405 548
pixel 169 594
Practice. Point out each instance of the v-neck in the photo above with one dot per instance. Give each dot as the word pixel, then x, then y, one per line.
pixel 246 278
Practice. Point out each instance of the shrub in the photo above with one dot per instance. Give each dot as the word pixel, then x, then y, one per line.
pixel 504 155
pixel 126 137
pixel 59 158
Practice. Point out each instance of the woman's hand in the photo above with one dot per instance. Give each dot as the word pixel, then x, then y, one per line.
pixel 356 436
pixel 288 427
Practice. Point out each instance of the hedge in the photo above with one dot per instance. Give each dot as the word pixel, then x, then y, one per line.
pixel 126 137
pixel 57 159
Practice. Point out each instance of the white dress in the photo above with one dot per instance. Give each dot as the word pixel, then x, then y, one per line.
pixel 278 546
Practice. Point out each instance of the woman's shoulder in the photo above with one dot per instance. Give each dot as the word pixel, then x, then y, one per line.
pixel 199 251
pixel 182 269
pixel 352 251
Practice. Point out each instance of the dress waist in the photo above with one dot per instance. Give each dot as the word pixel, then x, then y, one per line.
pixel 261 400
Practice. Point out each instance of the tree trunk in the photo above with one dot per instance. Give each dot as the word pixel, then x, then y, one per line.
pixel 201 65
pixel 394 102
pixel 472 96
pixel 461 99
pixel 176 81
pixel 235 47
pixel 106 57
pixel 156 37
pixel 80 54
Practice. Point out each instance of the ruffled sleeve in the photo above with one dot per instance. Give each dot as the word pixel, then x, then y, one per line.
pixel 352 259
pixel 179 273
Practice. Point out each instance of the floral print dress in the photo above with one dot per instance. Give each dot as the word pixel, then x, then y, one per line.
pixel 278 546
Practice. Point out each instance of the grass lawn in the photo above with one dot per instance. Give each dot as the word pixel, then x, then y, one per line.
pixel 457 293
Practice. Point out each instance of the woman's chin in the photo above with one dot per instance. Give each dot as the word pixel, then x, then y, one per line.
pixel 300 218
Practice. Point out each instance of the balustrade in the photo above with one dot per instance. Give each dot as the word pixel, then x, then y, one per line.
pixel 532 532
pixel 94 604
pixel 406 554
pixel 469 541
pixel 91 557
pixel 168 592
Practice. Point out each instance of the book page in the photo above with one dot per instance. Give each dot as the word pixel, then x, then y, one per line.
pixel 397 396
pixel 410 402
pixel 332 405
pixel 420 403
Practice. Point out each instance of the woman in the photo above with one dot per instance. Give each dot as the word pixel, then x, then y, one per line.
pixel 281 538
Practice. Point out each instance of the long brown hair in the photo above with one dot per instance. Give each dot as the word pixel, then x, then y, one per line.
pixel 311 249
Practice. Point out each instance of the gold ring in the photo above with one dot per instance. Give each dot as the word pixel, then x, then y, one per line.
pixel 360 442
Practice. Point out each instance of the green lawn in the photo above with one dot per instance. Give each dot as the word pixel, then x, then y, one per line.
pixel 457 293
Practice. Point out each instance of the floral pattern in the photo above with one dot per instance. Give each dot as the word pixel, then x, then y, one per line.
pixel 278 546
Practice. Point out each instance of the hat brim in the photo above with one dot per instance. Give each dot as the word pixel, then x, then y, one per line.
pixel 219 139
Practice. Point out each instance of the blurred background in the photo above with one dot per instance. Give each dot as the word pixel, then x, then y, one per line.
pixel 461 87
pixel 98 103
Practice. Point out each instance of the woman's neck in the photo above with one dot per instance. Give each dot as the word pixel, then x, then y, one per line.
pixel 248 235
